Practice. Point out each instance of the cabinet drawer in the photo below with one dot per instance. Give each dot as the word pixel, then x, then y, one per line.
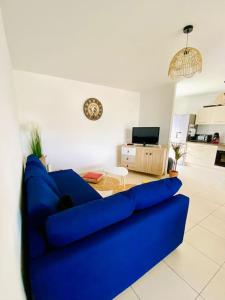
pixel 128 151
pixel 128 165
pixel 128 158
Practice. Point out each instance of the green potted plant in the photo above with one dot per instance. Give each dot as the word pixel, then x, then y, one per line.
pixel 36 145
pixel 177 155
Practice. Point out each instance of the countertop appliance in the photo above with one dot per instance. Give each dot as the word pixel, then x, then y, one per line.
pixel 204 138
pixel 216 138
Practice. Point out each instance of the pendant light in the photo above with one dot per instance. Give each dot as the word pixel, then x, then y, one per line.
pixel 185 62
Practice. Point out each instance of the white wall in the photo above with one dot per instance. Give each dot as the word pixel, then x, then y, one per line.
pixel 11 287
pixel 156 109
pixel 192 104
pixel 70 140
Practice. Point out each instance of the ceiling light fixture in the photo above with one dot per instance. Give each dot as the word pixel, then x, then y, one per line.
pixel 185 62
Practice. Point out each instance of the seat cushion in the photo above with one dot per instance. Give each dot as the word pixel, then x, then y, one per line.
pixel 75 223
pixel 152 193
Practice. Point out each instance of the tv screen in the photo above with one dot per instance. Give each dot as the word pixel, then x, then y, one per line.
pixel 145 135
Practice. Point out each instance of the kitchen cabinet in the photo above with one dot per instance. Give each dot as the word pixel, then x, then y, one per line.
pixel 205 116
pixel 219 115
pixel 211 115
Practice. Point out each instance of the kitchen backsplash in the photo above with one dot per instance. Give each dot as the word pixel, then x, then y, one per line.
pixel 211 129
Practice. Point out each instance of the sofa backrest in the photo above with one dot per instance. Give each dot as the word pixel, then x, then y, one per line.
pixel 152 193
pixel 42 197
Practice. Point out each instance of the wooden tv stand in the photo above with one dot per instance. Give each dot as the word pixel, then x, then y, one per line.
pixel 146 159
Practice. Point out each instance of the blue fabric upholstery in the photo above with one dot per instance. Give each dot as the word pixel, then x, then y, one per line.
pixel 72 184
pixel 42 202
pixel 105 263
pixel 34 168
pixel 34 160
pixel 75 223
pixel 152 193
pixel 110 256
pixel 37 244
pixel 34 171
pixel 43 193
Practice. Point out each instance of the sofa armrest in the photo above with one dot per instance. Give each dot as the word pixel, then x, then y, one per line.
pixel 73 224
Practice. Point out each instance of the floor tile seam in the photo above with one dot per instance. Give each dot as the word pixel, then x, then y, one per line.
pixel 136 294
pixel 197 224
pixel 189 243
pixel 210 280
pixel 216 234
pixel 171 268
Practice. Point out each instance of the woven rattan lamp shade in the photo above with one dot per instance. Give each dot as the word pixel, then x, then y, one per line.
pixel 185 63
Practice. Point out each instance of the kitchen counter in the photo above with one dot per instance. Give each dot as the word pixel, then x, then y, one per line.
pixel 220 145
pixel 202 154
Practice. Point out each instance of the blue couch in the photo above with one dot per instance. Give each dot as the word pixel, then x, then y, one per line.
pixel 97 248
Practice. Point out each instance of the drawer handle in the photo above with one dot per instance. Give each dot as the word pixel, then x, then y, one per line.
pixel 146 153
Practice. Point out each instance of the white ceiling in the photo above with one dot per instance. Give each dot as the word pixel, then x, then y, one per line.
pixel 120 43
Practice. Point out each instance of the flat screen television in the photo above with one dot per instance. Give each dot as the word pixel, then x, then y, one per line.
pixel 145 135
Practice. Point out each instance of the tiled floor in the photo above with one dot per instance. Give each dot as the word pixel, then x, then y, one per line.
pixel 196 269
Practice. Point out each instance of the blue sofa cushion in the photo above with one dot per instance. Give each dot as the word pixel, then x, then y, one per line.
pixel 34 160
pixel 42 200
pixel 152 193
pixel 36 241
pixel 78 222
pixel 70 183
pixel 34 168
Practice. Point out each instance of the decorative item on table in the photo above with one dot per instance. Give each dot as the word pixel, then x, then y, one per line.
pixel 36 145
pixel 216 138
pixel 93 177
pixel 185 62
pixel 177 155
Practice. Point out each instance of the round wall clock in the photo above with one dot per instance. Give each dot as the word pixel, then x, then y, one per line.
pixel 93 109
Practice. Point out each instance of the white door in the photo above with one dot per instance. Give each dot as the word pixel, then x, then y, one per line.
pixel 179 128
